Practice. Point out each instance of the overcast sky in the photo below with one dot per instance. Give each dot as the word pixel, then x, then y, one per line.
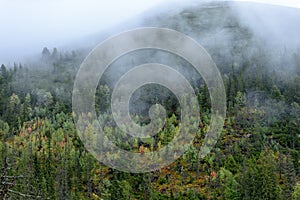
pixel 29 25
pixel 26 26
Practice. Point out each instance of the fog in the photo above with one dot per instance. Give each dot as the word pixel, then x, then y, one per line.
pixel 28 26
pixel 274 24
pixel 276 29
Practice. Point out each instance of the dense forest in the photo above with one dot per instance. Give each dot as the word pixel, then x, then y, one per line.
pixel 257 156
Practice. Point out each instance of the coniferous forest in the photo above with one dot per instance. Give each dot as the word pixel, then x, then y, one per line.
pixel 256 157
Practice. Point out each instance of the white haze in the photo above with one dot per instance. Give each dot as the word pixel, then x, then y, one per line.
pixel 28 26
pixel 276 25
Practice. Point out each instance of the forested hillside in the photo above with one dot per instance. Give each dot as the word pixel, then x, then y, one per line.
pixel 257 156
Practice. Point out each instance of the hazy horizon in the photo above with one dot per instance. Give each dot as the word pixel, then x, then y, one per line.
pixel 27 27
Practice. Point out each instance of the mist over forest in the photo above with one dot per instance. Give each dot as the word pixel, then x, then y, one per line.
pixel 256 48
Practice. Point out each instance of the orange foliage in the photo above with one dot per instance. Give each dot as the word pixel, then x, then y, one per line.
pixel 142 149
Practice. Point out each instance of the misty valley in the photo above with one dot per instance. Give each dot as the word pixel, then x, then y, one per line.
pixel 256 157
